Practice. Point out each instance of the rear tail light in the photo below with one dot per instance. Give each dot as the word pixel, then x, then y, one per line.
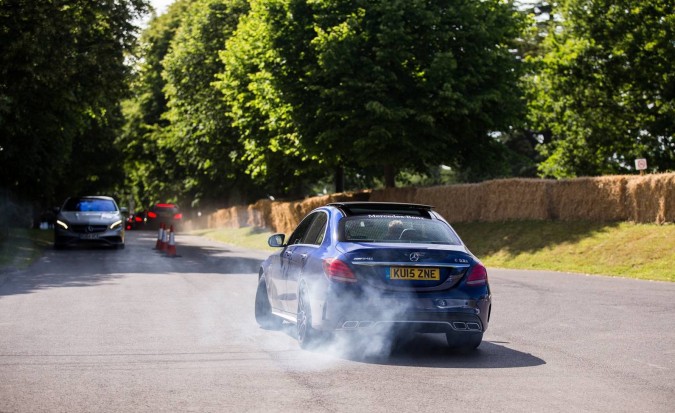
pixel 178 216
pixel 152 215
pixel 139 219
pixel 477 276
pixel 337 270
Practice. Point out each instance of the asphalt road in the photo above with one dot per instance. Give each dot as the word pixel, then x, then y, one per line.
pixel 97 330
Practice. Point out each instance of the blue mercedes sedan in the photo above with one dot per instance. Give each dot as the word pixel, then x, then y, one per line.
pixel 374 267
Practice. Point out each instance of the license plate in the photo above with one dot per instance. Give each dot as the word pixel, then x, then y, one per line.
pixel 414 273
pixel 89 236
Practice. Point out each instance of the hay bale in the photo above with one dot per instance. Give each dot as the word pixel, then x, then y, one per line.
pixel 652 198
pixel 258 214
pixel 456 203
pixel 513 199
pixel 648 198
pixel 596 199
pixel 408 194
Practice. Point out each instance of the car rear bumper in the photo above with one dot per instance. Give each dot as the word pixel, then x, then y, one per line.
pixel 424 315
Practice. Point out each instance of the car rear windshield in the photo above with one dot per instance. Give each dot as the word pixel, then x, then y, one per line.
pixel 165 208
pixel 392 228
pixel 89 204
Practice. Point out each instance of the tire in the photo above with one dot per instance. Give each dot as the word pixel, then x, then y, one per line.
pixel 119 246
pixel 464 341
pixel 308 337
pixel 263 308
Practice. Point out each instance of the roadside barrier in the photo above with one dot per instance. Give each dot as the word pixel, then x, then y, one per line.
pixel 171 247
pixel 160 237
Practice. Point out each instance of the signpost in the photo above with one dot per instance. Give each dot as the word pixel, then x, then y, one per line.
pixel 641 165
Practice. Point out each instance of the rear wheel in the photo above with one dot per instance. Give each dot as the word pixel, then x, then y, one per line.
pixel 263 308
pixel 464 341
pixel 307 335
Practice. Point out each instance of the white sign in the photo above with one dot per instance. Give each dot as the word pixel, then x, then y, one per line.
pixel 641 164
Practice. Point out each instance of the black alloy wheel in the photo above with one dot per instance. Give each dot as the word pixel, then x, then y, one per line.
pixel 307 336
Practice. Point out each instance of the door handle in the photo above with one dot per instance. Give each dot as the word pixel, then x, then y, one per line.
pixel 303 257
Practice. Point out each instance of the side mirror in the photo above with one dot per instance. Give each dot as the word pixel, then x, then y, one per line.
pixel 276 240
pixel 124 210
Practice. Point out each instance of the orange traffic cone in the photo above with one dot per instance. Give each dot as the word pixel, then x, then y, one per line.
pixel 171 248
pixel 165 239
pixel 160 237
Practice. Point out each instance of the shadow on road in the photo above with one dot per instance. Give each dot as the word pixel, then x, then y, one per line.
pixel 419 350
pixel 86 265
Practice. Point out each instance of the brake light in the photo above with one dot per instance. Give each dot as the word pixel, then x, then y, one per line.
pixel 138 219
pixel 477 276
pixel 178 216
pixel 337 270
pixel 152 215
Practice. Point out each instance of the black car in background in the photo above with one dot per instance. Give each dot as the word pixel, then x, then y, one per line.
pixel 374 269
pixel 164 213
pixel 89 219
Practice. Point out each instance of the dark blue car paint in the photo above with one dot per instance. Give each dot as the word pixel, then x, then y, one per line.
pixel 443 306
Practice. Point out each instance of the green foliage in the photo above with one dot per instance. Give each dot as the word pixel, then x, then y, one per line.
pixel 405 84
pixel 207 146
pixel 153 173
pixel 275 157
pixel 605 89
pixel 63 74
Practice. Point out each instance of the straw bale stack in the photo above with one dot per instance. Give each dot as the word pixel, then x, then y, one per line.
pixel 649 198
pixel 652 198
pixel 589 199
pixel 456 203
pixel 259 214
pixel 513 199
pixel 233 217
pixel 408 194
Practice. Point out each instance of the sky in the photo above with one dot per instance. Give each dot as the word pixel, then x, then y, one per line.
pixel 161 5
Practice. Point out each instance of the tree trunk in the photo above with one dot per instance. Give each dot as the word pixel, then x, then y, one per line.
pixel 389 176
pixel 339 179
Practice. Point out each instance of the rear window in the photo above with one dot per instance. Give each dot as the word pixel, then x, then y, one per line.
pixel 392 228
pixel 165 208
pixel 89 204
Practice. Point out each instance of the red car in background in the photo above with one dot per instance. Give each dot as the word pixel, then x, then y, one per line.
pixel 136 220
pixel 168 214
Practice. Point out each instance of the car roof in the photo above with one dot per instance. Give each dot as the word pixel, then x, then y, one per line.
pixel 108 198
pixel 396 208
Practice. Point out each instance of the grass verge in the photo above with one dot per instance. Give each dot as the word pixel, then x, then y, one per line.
pixel 20 247
pixel 247 237
pixel 621 249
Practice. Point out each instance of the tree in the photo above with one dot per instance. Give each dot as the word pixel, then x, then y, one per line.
pixel 397 83
pixel 275 157
pixel 606 88
pixel 207 145
pixel 153 173
pixel 63 73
